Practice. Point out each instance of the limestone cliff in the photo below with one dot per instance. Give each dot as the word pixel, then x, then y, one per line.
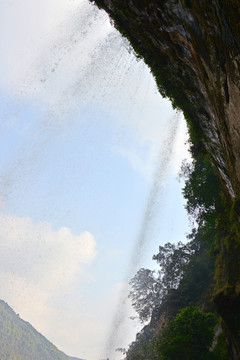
pixel 193 50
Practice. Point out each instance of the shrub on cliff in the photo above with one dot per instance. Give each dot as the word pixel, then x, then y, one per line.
pixel 188 336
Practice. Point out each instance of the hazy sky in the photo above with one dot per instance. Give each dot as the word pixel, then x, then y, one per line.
pixel 85 164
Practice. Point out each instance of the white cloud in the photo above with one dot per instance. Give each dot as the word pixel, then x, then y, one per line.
pixel 40 266
pixel 82 326
pixel 41 273
pixel 64 53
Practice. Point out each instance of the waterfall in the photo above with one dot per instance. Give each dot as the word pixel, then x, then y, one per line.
pixel 76 84
pixel 150 214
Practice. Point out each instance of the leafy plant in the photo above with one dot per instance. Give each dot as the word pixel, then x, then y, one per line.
pixel 188 336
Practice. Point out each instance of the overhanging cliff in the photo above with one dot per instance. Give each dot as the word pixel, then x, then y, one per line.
pixel 193 50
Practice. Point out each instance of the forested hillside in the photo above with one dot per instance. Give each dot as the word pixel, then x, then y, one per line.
pixel 20 341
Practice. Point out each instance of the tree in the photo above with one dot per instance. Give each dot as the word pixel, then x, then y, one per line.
pixel 202 187
pixel 145 293
pixel 187 267
pixel 143 348
pixel 149 288
pixel 172 260
pixel 188 336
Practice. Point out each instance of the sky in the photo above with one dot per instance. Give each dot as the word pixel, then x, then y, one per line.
pixel 89 159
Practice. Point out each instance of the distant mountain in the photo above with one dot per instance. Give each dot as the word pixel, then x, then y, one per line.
pixel 20 341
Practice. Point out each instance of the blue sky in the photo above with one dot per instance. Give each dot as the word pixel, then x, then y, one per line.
pixel 83 130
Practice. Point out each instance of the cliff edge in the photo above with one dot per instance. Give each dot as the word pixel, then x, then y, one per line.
pixel 193 50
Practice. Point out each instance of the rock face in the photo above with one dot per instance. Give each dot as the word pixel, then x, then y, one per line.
pixel 193 50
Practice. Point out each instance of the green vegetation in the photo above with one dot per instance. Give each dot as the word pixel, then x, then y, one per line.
pixel 220 351
pixel 189 274
pixel 187 268
pixel 184 283
pixel 189 47
pixel 185 272
pixel 188 336
pixel 20 341
pixel 144 348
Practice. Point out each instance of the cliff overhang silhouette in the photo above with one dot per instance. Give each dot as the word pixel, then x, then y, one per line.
pixel 193 50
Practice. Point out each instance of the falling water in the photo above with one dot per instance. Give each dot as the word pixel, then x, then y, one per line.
pixel 74 71
pixel 150 213
pixel 79 89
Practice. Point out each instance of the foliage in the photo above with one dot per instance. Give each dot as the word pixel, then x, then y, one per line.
pixel 20 341
pixel 178 80
pixel 186 271
pixel 149 288
pixel 185 267
pixel 202 187
pixel 220 352
pixel 172 260
pixel 188 336
pixel 144 347
pixel 145 293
